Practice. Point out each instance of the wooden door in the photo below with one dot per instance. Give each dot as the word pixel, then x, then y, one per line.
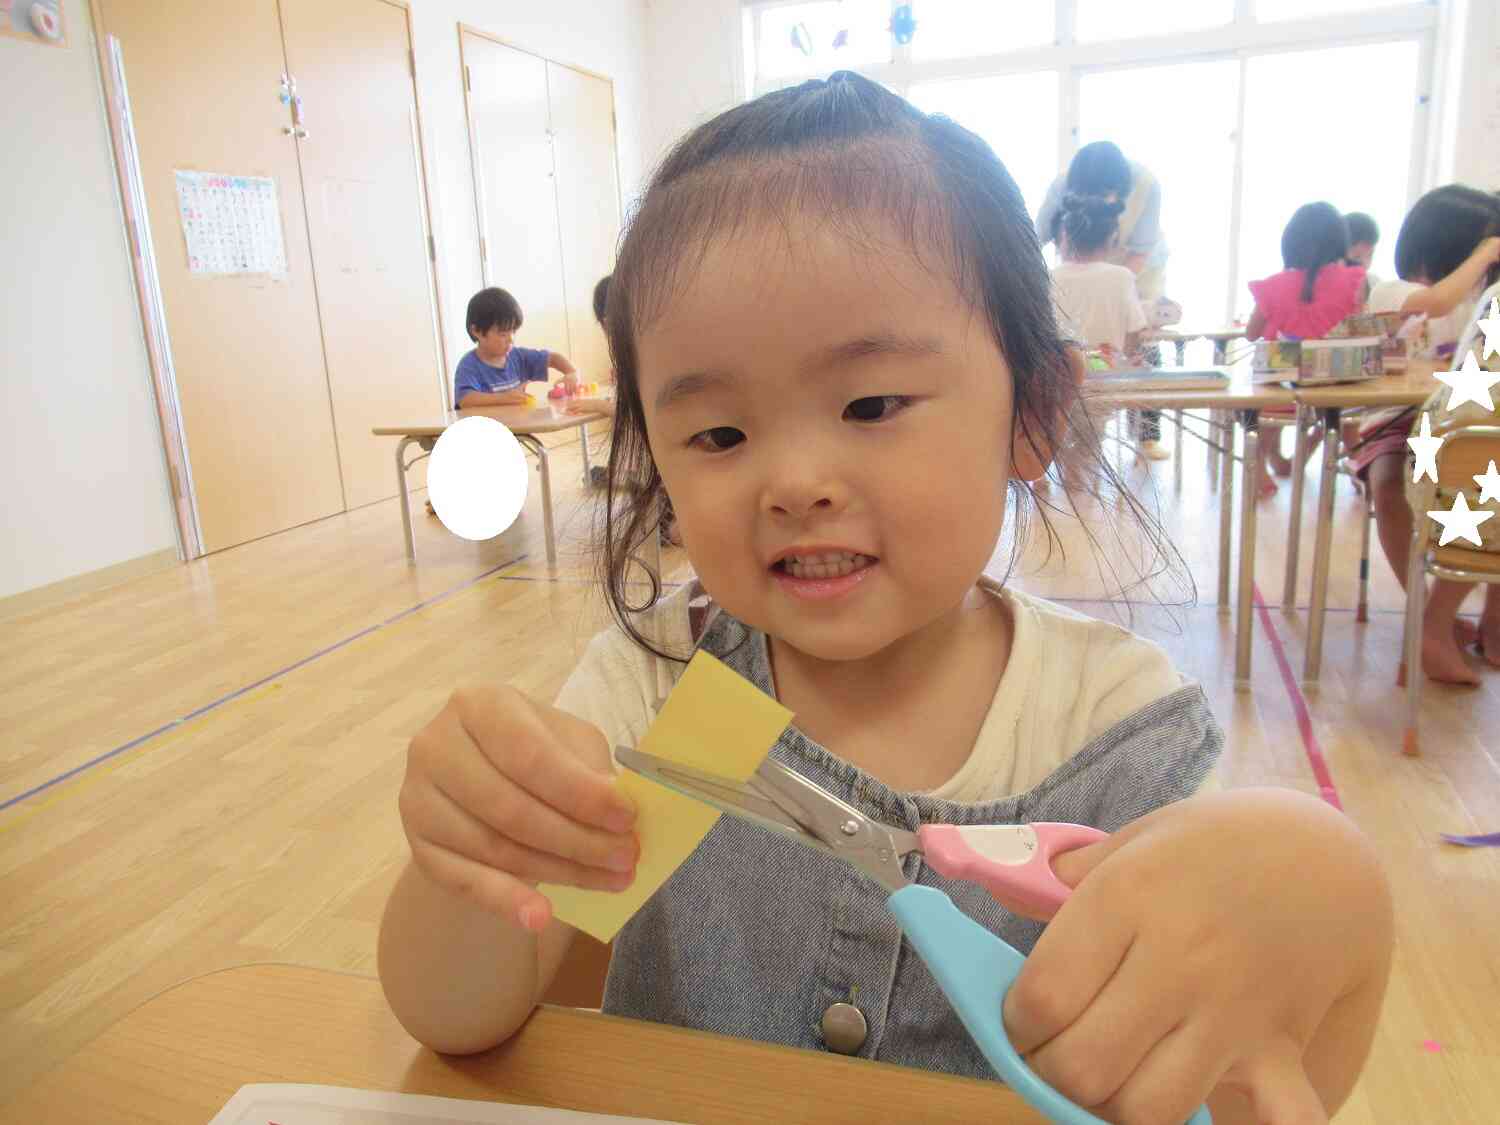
pixel 366 215
pixel 582 113
pixel 204 84
pixel 511 148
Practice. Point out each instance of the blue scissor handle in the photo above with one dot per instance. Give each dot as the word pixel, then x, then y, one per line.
pixel 975 970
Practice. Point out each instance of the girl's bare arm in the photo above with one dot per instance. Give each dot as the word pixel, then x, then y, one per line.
pixel 459 978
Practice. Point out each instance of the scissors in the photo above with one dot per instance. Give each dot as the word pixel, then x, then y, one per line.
pixel 974 967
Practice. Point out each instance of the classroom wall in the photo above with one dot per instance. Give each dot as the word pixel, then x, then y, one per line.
pixel 85 485
pixel 1469 113
pixel 605 36
pixel 696 66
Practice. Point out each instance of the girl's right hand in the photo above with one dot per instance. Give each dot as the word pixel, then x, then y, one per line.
pixel 502 792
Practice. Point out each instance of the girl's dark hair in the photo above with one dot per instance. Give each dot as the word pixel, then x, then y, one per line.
pixel 1089 221
pixel 847 151
pixel 1362 228
pixel 1098 169
pixel 1314 238
pixel 1442 229
pixel 601 298
pixel 492 308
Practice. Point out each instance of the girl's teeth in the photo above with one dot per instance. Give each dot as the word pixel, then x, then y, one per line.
pixel 828 565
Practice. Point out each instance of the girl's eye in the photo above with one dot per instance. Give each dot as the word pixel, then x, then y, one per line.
pixel 877 408
pixel 717 440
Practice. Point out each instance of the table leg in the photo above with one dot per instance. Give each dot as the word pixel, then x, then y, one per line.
pixel 1294 527
pixel 1322 547
pixel 1226 509
pixel 1177 468
pixel 541 455
pixel 409 536
pixel 1244 624
pixel 1221 352
pixel 583 437
pixel 1181 352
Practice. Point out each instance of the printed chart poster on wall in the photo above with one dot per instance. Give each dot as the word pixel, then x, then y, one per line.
pixel 40 21
pixel 232 224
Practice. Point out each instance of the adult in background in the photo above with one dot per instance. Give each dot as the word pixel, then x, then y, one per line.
pixel 1100 169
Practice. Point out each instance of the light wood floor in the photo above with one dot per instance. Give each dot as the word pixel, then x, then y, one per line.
pixel 265 828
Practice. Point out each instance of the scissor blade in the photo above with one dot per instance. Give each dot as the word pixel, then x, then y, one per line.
pixel 738 800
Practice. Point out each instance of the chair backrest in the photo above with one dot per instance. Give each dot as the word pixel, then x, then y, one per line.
pixel 1466 452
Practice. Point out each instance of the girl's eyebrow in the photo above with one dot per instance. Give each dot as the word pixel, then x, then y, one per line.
pixel 849 351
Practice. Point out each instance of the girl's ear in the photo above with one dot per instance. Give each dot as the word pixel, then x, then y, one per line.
pixel 1031 449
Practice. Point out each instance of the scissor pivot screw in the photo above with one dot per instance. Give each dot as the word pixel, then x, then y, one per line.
pixel 849 828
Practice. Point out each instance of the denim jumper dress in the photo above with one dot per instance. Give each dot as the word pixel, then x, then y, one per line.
pixel 758 936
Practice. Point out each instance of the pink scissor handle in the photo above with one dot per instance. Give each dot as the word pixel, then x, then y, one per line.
pixel 1011 861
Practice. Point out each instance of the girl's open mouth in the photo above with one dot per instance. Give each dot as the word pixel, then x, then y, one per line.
pixel 827 574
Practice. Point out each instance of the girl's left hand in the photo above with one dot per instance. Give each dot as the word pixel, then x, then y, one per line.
pixel 1203 946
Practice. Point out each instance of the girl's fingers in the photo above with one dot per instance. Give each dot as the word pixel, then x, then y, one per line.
pixel 510 732
pixel 1173 1078
pixel 1073 960
pixel 1280 1089
pixel 509 811
pixel 491 890
pixel 453 828
pixel 1095 1055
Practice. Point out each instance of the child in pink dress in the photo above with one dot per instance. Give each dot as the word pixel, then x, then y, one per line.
pixel 1313 293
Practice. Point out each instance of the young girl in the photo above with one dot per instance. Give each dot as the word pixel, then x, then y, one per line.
pixel 1315 291
pixel 1097 298
pixel 836 349
pixel 1446 252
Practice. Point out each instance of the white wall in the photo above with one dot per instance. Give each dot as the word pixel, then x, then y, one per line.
pixel 605 36
pixel 696 66
pixel 1469 113
pixel 85 486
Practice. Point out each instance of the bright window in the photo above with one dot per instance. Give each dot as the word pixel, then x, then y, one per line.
pixel 822 37
pixel 1130 19
pixel 1270 10
pixel 1025 142
pixel 950 29
pixel 1193 161
pixel 1350 145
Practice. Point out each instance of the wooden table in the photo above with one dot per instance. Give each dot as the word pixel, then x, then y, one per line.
pixel 180 1056
pixel 1410 388
pixel 1242 400
pixel 526 422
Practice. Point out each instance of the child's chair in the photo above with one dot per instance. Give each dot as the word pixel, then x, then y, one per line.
pixel 1465 453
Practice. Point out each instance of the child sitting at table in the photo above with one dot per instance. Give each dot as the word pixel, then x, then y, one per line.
pixel 1446 253
pixel 1314 291
pixel 1097 299
pixel 496 371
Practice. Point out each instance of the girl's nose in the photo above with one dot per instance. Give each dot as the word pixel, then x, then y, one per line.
pixel 798 493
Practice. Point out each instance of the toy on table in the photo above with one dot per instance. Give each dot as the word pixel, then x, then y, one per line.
pixel 974 967
pixel 560 390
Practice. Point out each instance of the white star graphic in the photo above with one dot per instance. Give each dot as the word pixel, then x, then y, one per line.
pixel 1470 383
pixel 1460 522
pixel 1491 327
pixel 1489 484
pixel 1425 447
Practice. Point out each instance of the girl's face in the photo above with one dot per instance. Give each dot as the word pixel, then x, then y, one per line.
pixel 810 394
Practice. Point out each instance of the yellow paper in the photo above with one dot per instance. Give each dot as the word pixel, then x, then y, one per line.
pixel 714 720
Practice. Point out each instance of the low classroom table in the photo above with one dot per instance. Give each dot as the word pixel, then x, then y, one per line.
pixel 526 422
pixel 1179 337
pixel 1243 400
pixel 1409 388
pixel 178 1058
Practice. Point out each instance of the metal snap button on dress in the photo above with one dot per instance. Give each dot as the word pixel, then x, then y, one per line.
pixel 844 1028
